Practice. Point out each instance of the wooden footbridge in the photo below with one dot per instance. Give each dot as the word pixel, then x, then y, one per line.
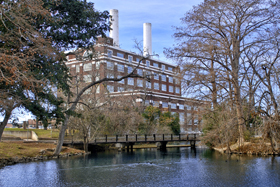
pixel 129 140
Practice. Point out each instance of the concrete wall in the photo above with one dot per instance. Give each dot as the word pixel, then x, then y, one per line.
pixel 22 134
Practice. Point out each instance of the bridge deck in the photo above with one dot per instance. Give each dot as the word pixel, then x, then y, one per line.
pixel 141 138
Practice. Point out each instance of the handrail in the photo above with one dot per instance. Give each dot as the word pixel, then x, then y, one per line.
pixel 146 138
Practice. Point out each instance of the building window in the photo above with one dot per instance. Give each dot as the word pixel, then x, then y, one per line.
pixel 164 105
pixel 163 78
pixel 97 78
pixel 147 63
pixel 129 69
pixel 120 55
pixel 181 107
pixel 148 85
pixel 109 53
pixel 155 65
pixel 120 89
pixel 170 68
pixel 77 68
pixel 171 89
pixel 139 83
pixel 156 86
pixel 182 118
pixel 170 79
pixel 140 72
pixel 177 90
pixel 110 75
pixel 88 91
pixel 122 81
pixel 163 87
pixel 147 102
pixel 156 76
pixel 97 89
pixel 189 107
pixel 110 88
pixel 110 65
pixel 162 67
pixel 137 59
pixel 88 67
pixel 195 120
pixel 97 65
pixel 173 105
pixel 120 68
pixel 148 73
pixel 189 119
pixel 156 104
pixel 130 81
pixel 130 58
pixel 177 81
pixel 87 78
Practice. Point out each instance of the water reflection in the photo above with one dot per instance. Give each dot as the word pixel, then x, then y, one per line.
pixel 147 167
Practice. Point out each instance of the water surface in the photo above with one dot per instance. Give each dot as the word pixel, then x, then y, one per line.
pixel 147 167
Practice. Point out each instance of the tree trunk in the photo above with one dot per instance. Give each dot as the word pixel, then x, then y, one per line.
pixel 237 92
pixel 4 123
pixel 271 141
pixel 240 119
pixel 228 151
pixel 85 144
pixel 37 123
pixel 214 86
pixel 61 136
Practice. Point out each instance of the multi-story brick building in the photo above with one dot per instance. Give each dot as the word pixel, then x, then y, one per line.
pixel 162 88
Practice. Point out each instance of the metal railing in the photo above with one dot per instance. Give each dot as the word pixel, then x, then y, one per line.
pixel 145 138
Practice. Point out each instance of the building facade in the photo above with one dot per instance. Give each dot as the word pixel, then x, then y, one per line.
pixel 160 87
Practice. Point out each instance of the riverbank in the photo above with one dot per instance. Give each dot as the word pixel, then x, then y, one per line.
pixel 20 152
pixel 261 149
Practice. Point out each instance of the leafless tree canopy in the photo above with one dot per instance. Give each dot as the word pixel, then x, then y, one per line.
pixel 228 53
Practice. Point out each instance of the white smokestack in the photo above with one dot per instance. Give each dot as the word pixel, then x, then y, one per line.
pixel 147 39
pixel 114 33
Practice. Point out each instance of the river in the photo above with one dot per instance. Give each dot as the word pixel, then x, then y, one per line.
pixel 147 167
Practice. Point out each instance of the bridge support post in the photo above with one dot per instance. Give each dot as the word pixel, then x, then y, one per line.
pixel 120 146
pixel 130 144
pixel 161 145
pixel 192 142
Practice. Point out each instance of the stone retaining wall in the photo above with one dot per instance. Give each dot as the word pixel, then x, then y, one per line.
pixel 22 134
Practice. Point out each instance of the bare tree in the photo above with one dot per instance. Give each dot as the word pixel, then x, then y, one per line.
pixel 230 28
pixel 75 100
pixel 264 61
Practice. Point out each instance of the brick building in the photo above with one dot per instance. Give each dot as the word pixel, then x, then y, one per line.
pixel 163 89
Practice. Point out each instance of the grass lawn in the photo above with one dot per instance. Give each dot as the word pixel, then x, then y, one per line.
pixel 20 149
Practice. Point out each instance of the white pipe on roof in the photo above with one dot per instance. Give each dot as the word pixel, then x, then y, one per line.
pixel 114 33
pixel 147 39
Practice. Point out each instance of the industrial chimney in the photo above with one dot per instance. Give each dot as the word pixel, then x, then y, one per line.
pixel 114 33
pixel 147 39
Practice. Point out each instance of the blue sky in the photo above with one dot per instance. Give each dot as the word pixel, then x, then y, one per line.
pixel 163 14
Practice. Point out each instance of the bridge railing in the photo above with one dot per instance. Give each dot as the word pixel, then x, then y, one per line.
pixel 145 138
